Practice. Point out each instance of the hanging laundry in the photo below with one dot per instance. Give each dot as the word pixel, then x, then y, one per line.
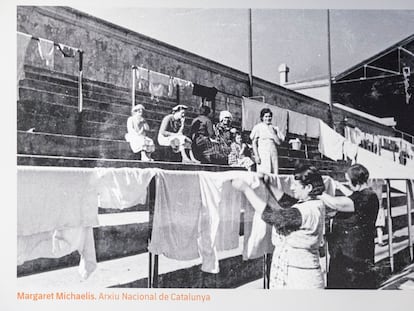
pixel 67 51
pixel 170 87
pixel 141 75
pixel 58 243
pixel 177 213
pixel 407 88
pixel 220 221
pixel 23 41
pixel 50 198
pixel 158 82
pixel 47 52
pixel 297 123
pixel 330 142
pixel 208 93
pixel 387 154
pixel 350 151
pixel 182 83
pixel 312 127
pixel 347 134
pixel 358 136
pixel 251 115
pixel 120 188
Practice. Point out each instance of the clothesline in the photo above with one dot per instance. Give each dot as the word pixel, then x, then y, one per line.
pixel 54 43
pixel 48 56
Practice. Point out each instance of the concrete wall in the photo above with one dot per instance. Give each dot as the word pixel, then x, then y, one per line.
pixel 110 51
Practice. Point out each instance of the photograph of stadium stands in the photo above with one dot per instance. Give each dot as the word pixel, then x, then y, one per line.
pixel 148 163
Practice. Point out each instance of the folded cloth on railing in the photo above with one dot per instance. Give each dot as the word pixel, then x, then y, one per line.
pixel 50 198
pixel 121 188
pixel 58 243
pixel 177 213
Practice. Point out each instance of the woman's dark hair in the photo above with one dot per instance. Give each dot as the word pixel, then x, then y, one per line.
pixel 358 174
pixel 264 111
pixel 205 110
pixel 309 175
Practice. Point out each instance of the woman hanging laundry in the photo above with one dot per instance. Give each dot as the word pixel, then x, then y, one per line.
pixel 297 228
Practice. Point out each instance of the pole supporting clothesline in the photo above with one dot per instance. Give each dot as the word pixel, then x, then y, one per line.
pixel 80 75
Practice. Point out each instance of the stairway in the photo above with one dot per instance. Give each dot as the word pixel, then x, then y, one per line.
pixel 51 132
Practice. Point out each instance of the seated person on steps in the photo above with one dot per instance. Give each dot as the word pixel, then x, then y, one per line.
pixel 171 134
pixel 136 136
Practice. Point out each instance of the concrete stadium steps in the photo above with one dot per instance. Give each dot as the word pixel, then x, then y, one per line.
pixel 75 146
pixel 40 160
pixel 47 93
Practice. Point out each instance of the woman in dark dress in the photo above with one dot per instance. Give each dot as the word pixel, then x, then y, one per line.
pixel 351 242
pixel 202 136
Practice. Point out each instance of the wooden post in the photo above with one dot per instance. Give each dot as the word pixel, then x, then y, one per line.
pixel 151 201
pixel 250 55
pixel 133 70
pixel 409 221
pixel 80 95
pixel 389 222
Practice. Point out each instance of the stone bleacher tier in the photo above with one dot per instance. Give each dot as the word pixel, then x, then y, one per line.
pixel 62 137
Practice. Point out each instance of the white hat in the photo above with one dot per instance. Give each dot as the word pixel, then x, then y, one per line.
pixel 137 107
pixel 224 114
pixel 179 107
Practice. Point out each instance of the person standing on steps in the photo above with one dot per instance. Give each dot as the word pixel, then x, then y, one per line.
pixel 265 139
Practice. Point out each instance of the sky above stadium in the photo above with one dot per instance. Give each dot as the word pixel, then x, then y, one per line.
pixel 296 37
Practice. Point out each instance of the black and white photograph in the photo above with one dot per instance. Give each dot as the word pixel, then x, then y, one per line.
pixel 168 155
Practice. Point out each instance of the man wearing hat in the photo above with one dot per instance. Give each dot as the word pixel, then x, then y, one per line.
pixel 171 134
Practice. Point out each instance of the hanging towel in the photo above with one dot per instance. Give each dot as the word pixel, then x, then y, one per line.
pixel 251 115
pixel 121 188
pixel 23 41
pixel 50 198
pixel 177 213
pixel 141 75
pixel 297 123
pixel 182 83
pixel 220 220
pixel 312 127
pixel 208 93
pixel 257 233
pixel 330 142
pixel 46 51
pixel 58 243
pixel 67 51
pixel 350 151
pixel 171 87
pixel 157 84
